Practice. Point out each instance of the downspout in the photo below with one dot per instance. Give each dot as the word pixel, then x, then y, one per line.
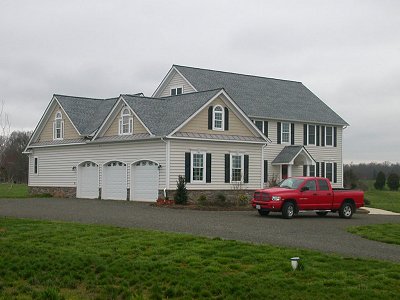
pixel 167 165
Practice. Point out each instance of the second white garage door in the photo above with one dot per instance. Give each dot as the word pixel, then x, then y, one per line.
pixel 114 181
pixel 144 181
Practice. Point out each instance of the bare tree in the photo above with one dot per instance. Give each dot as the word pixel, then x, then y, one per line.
pixel 5 128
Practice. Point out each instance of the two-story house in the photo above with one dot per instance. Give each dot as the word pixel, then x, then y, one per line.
pixel 220 130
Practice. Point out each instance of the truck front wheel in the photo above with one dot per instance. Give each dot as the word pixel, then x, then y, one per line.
pixel 346 210
pixel 288 210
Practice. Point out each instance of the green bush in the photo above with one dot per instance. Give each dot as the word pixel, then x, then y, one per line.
pixel 393 182
pixel 221 199
pixel 181 195
pixel 380 181
pixel 202 200
pixel 243 200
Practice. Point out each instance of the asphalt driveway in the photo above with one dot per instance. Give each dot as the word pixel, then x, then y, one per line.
pixel 327 234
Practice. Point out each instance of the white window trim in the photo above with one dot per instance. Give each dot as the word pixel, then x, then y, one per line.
pixel 290 133
pixel 130 122
pixel 242 167
pixel 36 162
pixel 192 167
pixel 326 168
pixel 308 135
pixel 326 145
pixel 176 87
pixel 222 121
pixel 56 118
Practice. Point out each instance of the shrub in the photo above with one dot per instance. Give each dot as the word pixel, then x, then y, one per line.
pixel 221 199
pixel 273 181
pixel 202 199
pixel 393 182
pixel 350 179
pixel 380 181
pixel 243 199
pixel 181 195
pixel 367 202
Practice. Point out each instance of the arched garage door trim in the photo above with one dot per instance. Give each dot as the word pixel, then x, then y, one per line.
pixel 87 183
pixel 114 180
pixel 144 180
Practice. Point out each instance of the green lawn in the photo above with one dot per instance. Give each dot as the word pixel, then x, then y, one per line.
pixel 13 190
pixel 387 233
pixel 385 199
pixel 54 260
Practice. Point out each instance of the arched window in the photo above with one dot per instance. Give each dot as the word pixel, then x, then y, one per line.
pixel 126 122
pixel 218 118
pixel 58 127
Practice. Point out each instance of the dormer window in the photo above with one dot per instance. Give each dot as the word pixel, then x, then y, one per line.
pixel 58 127
pixel 218 117
pixel 125 122
pixel 178 90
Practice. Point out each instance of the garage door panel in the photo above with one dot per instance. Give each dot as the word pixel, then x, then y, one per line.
pixel 88 181
pixel 114 181
pixel 144 181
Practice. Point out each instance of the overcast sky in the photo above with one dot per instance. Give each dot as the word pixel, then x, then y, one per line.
pixel 346 52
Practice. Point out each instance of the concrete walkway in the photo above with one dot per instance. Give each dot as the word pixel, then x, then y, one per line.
pixel 377 211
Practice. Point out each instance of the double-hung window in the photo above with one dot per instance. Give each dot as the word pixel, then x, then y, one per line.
pixel 311 135
pixel 198 167
pixel 126 122
pixel 237 167
pixel 58 133
pixel 218 118
pixel 329 171
pixel 329 136
pixel 285 132
pixel 176 91
pixel 311 170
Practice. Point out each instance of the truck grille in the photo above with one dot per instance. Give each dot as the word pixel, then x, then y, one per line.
pixel 262 196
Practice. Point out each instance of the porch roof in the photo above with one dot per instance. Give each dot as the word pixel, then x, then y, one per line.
pixel 289 154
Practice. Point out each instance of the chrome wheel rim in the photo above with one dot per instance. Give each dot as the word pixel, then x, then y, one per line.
pixel 290 210
pixel 347 210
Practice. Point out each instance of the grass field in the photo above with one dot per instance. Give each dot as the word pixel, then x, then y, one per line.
pixel 13 190
pixel 53 260
pixel 385 199
pixel 387 233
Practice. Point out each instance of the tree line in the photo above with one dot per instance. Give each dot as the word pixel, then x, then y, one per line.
pixel 371 170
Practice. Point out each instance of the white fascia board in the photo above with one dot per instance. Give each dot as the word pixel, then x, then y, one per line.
pixel 107 118
pixel 140 120
pixel 167 78
pixel 214 140
pixel 67 116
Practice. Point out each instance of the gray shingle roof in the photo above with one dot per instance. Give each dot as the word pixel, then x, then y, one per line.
pixel 265 97
pixel 87 114
pixel 287 154
pixel 163 115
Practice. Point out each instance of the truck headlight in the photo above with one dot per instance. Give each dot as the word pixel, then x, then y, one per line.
pixel 276 198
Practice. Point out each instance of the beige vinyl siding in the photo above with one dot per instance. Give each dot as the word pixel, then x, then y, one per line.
pixel 56 163
pixel 319 153
pixel 69 130
pixel 175 81
pixel 218 151
pixel 199 124
pixel 114 127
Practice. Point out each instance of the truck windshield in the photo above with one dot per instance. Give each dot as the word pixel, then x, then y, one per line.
pixel 291 183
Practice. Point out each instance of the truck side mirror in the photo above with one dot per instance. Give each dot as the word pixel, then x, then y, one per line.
pixel 304 188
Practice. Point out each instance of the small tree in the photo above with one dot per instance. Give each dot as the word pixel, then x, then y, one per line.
pixel 181 195
pixel 393 182
pixel 380 181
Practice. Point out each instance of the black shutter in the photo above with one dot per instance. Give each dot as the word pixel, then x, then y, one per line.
pixel 265 171
pixel 334 172
pixel 227 168
pixel 278 133
pixel 317 169
pixel 322 169
pixel 246 169
pixel 210 117
pixel 318 136
pixel 187 166
pixel 305 133
pixel 208 167
pixel 334 136
pixel 304 170
pixel 292 133
pixel 323 136
pixel 266 128
pixel 226 127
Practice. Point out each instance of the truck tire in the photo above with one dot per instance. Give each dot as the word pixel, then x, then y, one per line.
pixel 263 212
pixel 322 213
pixel 288 210
pixel 346 210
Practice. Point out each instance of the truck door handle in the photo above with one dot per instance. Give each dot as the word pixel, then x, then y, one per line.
pixel 315 194
pixel 329 194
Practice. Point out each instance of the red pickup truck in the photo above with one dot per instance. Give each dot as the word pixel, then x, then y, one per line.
pixel 307 193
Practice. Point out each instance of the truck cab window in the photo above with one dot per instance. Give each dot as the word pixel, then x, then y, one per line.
pixel 323 185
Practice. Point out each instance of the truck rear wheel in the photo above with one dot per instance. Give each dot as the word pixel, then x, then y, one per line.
pixel 346 210
pixel 263 212
pixel 288 210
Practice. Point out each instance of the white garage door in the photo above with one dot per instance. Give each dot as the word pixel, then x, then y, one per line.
pixel 88 180
pixel 144 181
pixel 114 181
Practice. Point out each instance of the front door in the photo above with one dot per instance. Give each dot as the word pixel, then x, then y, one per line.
pixel 285 171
